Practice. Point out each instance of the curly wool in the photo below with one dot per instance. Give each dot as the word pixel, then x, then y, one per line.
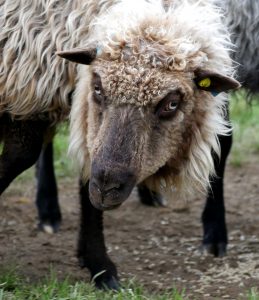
pixel 34 81
pixel 187 27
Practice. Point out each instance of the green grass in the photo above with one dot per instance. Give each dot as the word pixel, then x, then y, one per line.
pixel 12 287
pixel 253 294
pixel 63 164
pixel 245 120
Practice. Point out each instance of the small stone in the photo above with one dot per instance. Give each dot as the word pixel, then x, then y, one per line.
pixel 151 266
pixel 164 222
pixel 11 223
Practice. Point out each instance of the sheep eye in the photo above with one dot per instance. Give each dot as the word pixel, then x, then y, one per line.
pixel 168 105
pixel 171 106
pixel 98 95
pixel 97 90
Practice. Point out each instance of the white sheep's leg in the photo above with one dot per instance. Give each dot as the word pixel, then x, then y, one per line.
pixel 213 218
pixel 91 246
pixel 47 192
pixel 22 142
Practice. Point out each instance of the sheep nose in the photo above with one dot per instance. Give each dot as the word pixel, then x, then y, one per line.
pixel 109 187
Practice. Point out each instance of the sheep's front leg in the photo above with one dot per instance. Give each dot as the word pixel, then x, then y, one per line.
pixel 91 247
pixel 47 192
pixel 22 142
pixel 213 218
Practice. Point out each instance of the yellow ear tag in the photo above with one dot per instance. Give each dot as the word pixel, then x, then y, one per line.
pixel 206 82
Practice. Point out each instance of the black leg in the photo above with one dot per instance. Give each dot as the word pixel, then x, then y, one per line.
pixel 213 218
pixel 22 144
pixel 47 192
pixel 91 247
pixel 149 198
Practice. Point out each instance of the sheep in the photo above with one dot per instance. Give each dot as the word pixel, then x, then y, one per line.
pixel 104 185
pixel 242 19
pixel 147 107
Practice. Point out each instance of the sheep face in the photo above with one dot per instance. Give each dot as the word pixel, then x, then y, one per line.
pixel 137 122
pixel 143 122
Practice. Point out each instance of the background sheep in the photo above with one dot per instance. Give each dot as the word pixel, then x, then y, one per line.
pixel 49 213
pixel 142 113
pixel 242 19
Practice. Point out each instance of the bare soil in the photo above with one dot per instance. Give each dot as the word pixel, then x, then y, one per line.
pixel 159 247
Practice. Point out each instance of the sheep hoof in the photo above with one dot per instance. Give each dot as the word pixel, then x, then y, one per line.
pixel 150 198
pixel 106 279
pixel 216 249
pixel 48 227
pixel 110 283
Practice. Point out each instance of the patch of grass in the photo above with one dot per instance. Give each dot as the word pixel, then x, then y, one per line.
pixel 9 280
pixel 52 289
pixel 63 164
pixel 245 121
pixel 253 294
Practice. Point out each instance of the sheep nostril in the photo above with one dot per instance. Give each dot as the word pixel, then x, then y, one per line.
pixel 105 189
pixel 112 187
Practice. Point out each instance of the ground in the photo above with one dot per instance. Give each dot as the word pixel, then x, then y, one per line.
pixel 159 247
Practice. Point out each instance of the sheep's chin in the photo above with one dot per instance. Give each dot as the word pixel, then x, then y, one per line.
pixel 104 207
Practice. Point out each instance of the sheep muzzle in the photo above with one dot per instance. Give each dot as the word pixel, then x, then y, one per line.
pixel 115 162
pixel 110 186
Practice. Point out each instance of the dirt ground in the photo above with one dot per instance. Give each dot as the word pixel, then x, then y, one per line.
pixel 159 247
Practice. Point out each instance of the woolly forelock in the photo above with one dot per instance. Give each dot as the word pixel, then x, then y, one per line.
pixel 34 81
pixel 181 36
pixel 242 18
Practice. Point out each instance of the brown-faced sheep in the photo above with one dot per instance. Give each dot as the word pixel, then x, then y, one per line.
pixel 144 109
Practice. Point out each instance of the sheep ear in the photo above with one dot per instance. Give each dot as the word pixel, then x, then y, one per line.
pixel 214 82
pixel 80 56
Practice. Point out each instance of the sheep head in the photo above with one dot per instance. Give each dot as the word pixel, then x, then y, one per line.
pixel 145 116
